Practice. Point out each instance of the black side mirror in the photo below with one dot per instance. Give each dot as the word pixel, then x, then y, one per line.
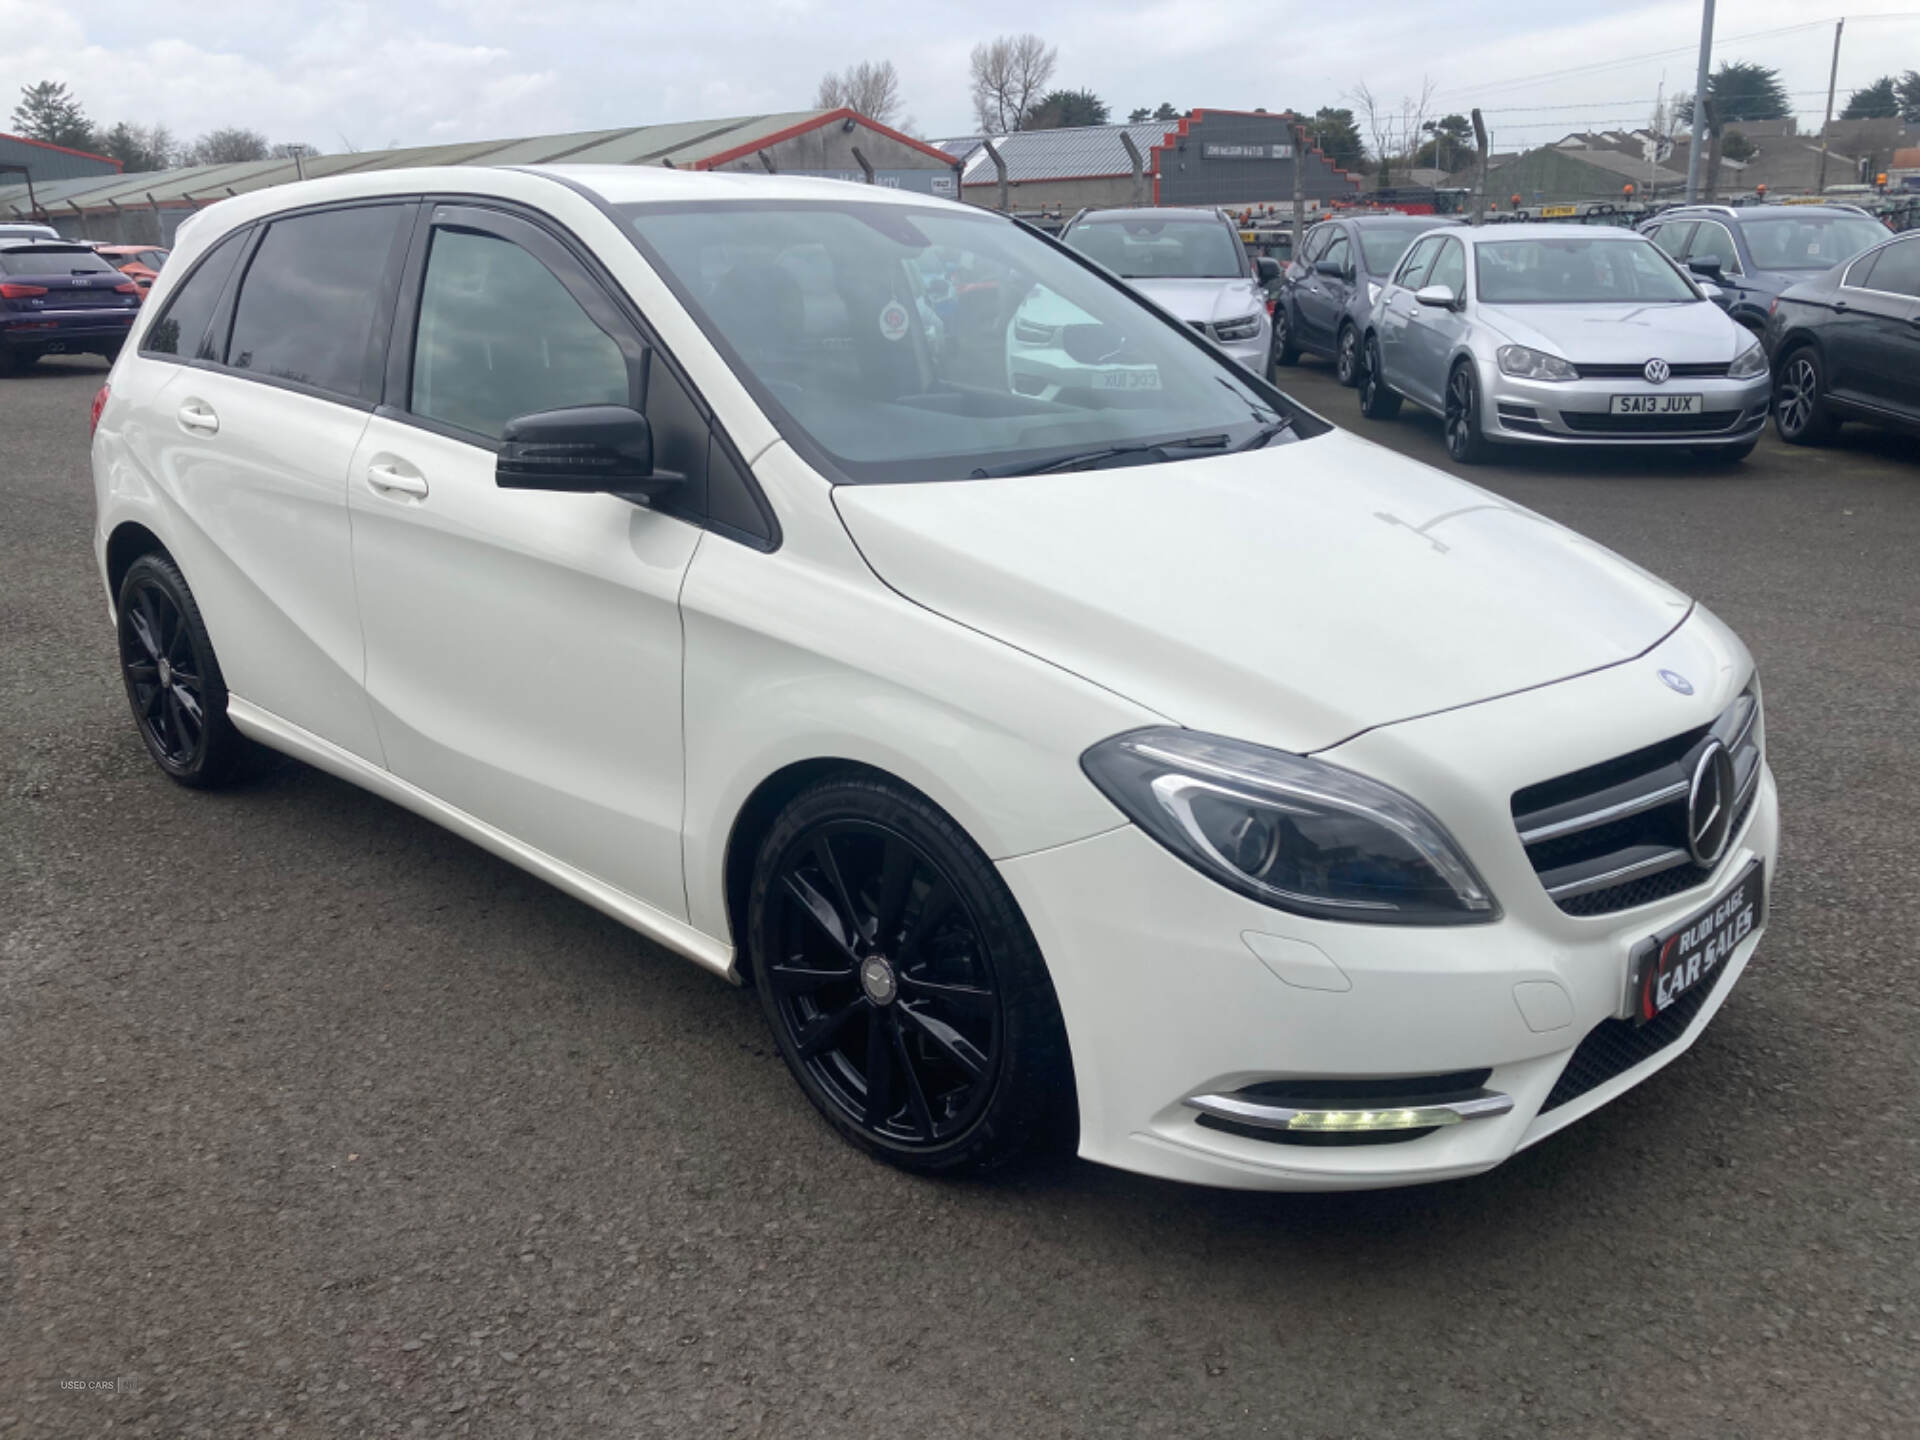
pixel 1332 268
pixel 1266 268
pixel 583 450
pixel 1707 265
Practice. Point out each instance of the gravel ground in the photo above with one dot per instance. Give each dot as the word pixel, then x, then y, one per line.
pixel 317 1121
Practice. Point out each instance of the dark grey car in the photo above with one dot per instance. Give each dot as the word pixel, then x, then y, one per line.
pixel 1330 286
pixel 1754 252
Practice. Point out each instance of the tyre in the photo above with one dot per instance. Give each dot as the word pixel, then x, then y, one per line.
pixel 904 989
pixel 1285 352
pixel 1800 414
pixel 1466 443
pixel 1377 402
pixel 1346 355
pixel 173 679
pixel 15 362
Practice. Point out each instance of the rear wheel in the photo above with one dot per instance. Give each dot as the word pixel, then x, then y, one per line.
pixel 1377 402
pixel 173 680
pixel 1346 355
pixel 1285 352
pixel 1800 414
pixel 904 989
pixel 13 362
pixel 1466 443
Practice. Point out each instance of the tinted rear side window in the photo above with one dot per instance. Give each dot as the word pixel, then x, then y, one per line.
pixel 313 296
pixel 1896 270
pixel 181 329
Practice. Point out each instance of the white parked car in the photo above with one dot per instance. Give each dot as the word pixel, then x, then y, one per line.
pixel 1159 764
pixel 1561 335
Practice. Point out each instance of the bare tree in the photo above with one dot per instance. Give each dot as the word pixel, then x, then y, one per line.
pixel 1395 132
pixel 870 88
pixel 1009 73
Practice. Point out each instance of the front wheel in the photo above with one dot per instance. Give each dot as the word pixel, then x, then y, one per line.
pixel 172 677
pixel 1285 352
pixel 904 989
pixel 1800 414
pixel 1377 402
pixel 1465 441
pixel 1346 356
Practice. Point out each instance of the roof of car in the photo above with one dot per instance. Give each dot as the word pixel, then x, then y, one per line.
pixel 1431 222
pixel 1155 212
pixel 1759 212
pixel 1545 230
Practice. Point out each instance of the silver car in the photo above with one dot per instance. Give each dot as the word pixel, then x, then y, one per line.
pixel 1190 263
pixel 1561 335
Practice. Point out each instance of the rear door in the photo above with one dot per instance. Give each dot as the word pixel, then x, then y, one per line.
pixel 254 437
pixel 524 648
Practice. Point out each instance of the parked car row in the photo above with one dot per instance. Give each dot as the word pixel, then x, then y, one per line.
pixel 1557 334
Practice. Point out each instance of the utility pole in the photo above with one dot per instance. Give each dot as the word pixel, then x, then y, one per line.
pixel 1699 101
pixel 1480 172
pixel 1820 184
pixel 1299 184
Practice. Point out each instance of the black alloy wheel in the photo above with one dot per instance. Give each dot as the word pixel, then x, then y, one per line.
pixel 1346 356
pixel 1465 443
pixel 1377 402
pixel 1800 412
pixel 905 992
pixel 1285 352
pixel 173 681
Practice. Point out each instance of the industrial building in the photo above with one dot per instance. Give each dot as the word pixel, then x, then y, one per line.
pixel 148 208
pixel 34 164
pixel 1230 158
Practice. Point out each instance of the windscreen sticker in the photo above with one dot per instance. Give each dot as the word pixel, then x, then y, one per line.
pixel 893 321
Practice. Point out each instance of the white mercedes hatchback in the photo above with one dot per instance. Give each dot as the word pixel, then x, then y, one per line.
pixel 1151 763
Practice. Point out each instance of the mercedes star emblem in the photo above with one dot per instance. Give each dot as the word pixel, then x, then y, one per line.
pixel 1677 682
pixel 1657 372
pixel 1710 805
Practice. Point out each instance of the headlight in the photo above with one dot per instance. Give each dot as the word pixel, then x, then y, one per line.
pixel 1294 833
pixel 1373 291
pixel 1751 361
pixel 1242 327
pixel 1524 364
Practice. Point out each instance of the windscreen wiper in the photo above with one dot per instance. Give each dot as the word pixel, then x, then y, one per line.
pixel 1087 459
pixel 1265 433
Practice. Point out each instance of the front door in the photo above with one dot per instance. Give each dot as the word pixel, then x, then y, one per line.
pixel 1873 349
pixel 1323 298
pixel 1433 333
pixel 523 648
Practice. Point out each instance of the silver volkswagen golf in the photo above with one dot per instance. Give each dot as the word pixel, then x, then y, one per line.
pixel 1561 335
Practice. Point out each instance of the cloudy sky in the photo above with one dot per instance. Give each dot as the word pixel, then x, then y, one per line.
pixel 425 71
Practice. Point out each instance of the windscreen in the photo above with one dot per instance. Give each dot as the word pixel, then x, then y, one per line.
pixel 1810 242
pixel 1385 244
pixel 51 260
pixel 1149 249
pixel 1577 271
pixel 891 342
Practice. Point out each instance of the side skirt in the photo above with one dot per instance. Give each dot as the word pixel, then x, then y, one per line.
pixel 675 934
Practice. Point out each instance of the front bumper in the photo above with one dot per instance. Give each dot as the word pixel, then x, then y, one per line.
pixel 1176 989
pixel 1575 412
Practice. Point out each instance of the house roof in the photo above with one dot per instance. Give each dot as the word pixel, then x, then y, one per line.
pixel 1076 153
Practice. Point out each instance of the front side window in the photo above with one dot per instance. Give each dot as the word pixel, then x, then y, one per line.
pixel 1896 270
pixel 312 296
pixel 1419 261
pixel 1577 271
pixel 1153 249
pixel 891 342
pixel 182 328
pixel 1316 242
pixel 1712 242
pixel 1450 269
pixel 1811 242
pixel 499 337
pixel 1340 253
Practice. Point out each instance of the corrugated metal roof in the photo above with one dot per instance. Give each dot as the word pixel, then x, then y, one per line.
pixel 959 147
pixel 1064 154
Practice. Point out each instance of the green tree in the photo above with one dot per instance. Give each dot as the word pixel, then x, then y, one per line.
pixel 1059 109
pixel 1737 147
pixel 1166 112
pixel 228 146
pixel 1450 145
pixel 1139 114
pixel 1878 101
pixel 1741 90
pixel 48 112
pixel 1908 89
pixel 139 147
pixel 1335 132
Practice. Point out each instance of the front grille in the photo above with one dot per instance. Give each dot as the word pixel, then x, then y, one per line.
pixel 1705 423
pixel 1639 371
pixel 1614 835
pixel 1615 1046
pixel 1199 325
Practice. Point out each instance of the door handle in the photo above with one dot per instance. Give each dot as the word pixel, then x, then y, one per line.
pixel 198 416
pixel 388 479
pixel 1841 307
